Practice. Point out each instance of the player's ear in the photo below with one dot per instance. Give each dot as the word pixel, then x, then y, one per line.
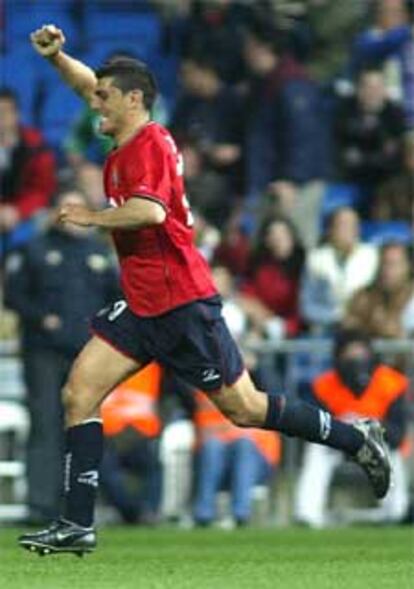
pixel 136 97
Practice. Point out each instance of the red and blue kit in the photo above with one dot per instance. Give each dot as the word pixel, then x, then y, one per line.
pixel 161 268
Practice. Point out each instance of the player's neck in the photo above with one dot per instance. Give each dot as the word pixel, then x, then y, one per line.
pixel 131 128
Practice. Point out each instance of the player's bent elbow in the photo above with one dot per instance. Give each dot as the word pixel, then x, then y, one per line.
pixel 158 215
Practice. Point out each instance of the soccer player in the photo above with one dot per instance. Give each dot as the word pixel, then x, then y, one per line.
pixel 171 312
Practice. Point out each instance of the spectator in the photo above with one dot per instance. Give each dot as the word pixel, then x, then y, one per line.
pixel 284 131
pixel 207 190
pixel 331 24
pixel 395 197
pixel 208 112
pixel 335 270
pixel 132 426
pixel 358 386
pixel 269 295
pixel 232 312
pixel 27 173
pixel 390 41
pixel 55 284
pixel 213 28
pixel 229 457
pixel 385 308
pixel 369 130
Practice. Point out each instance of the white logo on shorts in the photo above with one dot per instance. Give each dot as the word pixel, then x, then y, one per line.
pixel 210 374
pixel 118 308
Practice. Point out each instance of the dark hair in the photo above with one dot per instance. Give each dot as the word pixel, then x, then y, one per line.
pixel 130 74
pixel 267 34
pixel 346 337
pixel 9 94
pixel 294 264
pixel 392 244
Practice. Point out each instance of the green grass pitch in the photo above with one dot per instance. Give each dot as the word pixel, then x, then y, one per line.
pixel 292 558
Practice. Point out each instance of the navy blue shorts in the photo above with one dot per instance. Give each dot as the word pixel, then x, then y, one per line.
pixel 192 340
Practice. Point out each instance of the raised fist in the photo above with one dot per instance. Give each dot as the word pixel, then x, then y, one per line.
pixel 48 40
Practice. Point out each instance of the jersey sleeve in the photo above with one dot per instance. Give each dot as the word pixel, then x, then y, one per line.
pixel 148 173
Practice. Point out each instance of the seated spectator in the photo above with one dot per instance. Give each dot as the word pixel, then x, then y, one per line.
pixel 335 270
pixel 358 386
pixel 231 458
pixel 390 41
pixel 385 308
pixel 234 248
pixel 55 284
pixel 27 173
pixel 208 112
pixel 131 427
pixel 232 311
pixel 284 130
pixel 368 133
pixel 206 189
pixel 270 293
pixel 395 197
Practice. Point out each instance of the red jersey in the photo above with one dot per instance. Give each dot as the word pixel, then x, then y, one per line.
pixel 160 266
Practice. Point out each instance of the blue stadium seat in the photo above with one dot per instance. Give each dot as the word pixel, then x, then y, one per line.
pixel 22 17
pixel 121 24
pixel 60 107
pixel 380 232
pixel 18 74
pixel 339 195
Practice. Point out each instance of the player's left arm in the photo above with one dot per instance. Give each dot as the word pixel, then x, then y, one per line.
pixel 136 213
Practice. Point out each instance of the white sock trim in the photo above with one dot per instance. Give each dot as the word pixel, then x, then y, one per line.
pixel 92 420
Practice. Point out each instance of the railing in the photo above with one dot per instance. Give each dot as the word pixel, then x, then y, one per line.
pixel 293 362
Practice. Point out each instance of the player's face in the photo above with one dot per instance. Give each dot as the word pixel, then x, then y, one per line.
pixel 110 103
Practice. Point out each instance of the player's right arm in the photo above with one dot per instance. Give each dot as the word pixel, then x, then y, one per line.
pixel 48 42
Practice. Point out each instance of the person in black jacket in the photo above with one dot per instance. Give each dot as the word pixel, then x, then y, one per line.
pixel 55 284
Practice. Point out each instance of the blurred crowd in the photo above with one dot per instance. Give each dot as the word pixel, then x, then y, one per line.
pixel 296 125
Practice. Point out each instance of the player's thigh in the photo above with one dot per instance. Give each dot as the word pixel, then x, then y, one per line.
pixel 97 370
pixel 241 402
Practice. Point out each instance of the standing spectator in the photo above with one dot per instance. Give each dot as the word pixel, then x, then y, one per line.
pixel 269 295
pixel 207 190
pixel 213 28
pixel 335 270
pixel 390 41
pixel 358 386
pixel 27 173
pixel 54 285
pixel 132 426
pixel 395 197
pixel 369 130
pixel 385 308
pixel 284 131
pixel 208 112
pixel 229 457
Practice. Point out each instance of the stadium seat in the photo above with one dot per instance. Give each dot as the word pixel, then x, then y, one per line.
pixel 18 74
pixel 14 427
pixel 140 28
pixel 379 232
pixel 24 16
pixel 59 109
pixel 339 195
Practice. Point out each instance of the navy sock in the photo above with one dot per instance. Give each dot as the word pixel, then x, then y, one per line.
pixel 296 418
pixel 84 444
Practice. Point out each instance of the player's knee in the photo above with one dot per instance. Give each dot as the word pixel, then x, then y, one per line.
pixel 77 398
pixel 242 411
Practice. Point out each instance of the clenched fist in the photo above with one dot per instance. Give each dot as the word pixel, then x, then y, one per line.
pixel 48 40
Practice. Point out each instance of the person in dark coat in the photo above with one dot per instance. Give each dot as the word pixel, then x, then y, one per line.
pixel 55 284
